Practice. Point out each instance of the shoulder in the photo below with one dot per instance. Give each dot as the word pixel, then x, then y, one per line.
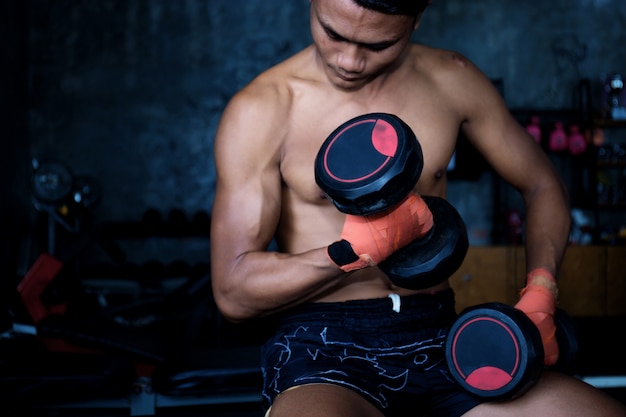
pixel 445 67
pixel 455 77
pixel 269 96
pixel 253 121
pixel 264 95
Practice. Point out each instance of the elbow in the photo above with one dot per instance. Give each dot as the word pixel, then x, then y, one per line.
pixel 555 189
pixel 229 305
pixel 561 186
pixel 229 312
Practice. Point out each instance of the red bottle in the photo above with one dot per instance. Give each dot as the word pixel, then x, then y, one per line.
pixel 534 129
pixel 558 138
pixel 576 141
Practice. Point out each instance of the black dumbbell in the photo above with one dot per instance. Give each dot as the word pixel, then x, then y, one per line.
pixel 494 350
pixel 371 163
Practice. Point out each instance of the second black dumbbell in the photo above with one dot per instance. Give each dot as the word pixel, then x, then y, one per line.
pixel 494 350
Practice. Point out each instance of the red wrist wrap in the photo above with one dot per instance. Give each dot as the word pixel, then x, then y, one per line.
pixel 539 304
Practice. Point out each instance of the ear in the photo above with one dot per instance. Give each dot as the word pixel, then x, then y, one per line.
pixel 418 19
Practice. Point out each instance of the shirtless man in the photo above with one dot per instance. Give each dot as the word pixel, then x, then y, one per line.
pixel 340 348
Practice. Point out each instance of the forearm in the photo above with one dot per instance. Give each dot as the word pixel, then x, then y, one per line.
pixel 547 228
pixel 547 235
pixel 261 283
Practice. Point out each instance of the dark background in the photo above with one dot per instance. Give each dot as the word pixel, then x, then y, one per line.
pixel 129 93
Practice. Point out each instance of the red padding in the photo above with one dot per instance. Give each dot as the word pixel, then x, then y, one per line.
pixel 32 286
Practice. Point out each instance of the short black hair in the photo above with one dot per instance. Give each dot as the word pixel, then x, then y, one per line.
pixel 398 7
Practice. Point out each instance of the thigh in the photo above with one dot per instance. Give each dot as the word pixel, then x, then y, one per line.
pixel 555 395
pixel 325 400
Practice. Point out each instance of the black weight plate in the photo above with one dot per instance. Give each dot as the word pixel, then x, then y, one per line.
pixel 86 191
pixel 52 182
pixel 494 351
pixel 432 259
pixel 369 163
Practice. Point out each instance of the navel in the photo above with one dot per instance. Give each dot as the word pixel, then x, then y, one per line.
pixel 439 174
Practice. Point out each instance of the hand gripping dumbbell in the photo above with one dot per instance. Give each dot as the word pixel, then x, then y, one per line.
pixel 371 163
pixel 494 351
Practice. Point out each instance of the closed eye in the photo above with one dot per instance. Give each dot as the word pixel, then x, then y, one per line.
pixel 375 47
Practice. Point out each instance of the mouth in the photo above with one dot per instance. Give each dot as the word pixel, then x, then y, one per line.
pixel 347 77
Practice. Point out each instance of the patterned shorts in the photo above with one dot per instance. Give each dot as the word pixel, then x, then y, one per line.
pixel 389 350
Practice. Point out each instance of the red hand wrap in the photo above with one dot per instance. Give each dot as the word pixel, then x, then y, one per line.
pixel 538 302
pixel 373 238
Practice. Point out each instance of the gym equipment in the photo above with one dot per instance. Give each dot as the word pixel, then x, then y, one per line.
pixel 427 261
pixel 65 199
pixel 90 336
pixel 494 351
pixel 371 163
pixel 52 181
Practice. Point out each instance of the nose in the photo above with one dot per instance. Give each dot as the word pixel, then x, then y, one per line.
pixel 350 59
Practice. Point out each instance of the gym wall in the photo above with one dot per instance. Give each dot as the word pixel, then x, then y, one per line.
pixel 131 91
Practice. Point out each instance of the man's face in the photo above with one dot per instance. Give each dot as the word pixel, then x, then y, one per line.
pixel 356 44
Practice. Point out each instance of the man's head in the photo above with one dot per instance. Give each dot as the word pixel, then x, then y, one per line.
pixel 399 7
pixel 356 44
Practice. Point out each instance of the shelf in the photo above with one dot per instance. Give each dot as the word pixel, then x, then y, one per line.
pixel 609 123
pixel 140 230
pixel 611 164
pixel 611 206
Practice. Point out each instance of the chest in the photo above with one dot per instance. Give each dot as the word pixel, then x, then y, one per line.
pixel 436 136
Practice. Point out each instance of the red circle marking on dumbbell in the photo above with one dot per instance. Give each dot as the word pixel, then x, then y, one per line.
pixel 487 377
pixel 384 139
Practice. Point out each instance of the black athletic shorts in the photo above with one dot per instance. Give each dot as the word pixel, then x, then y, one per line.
pixel 389 350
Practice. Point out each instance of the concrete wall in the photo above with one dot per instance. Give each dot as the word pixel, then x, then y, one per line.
pixel 131 91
